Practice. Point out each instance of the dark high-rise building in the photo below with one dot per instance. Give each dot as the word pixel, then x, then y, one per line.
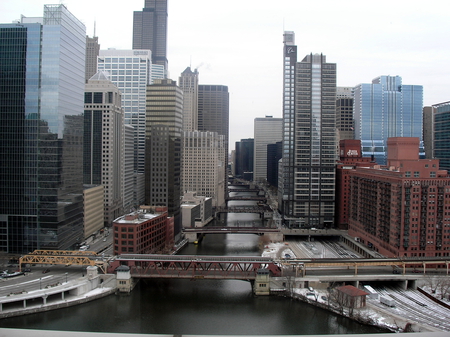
pixel 150 30
pixel 345 123
pixel 41 113
pixel 163 147
pixel 441 134
pixel 306 189
pixel 244 158
pixel 214 112
pixel 274 154
pixel 92 51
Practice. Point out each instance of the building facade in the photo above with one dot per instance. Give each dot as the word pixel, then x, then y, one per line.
pixel 94 210
pixel 196 210
pixel 163 147
pixel 104 142
pixel 350 157
pixel 386 108
pixel 150 30
pixel 441 134
pixel 307 169
pixel 266 131
pixel 92 51
pixel 204 166
pixel 244 152
pixel 130 71
pixel 274 154
pixel 42 85
pixel 148 230
pixel 401 210
pixel 188 82
pixel 214 112
pixel 345 123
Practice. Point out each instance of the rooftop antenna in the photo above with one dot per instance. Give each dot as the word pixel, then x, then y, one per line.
pixel 95 22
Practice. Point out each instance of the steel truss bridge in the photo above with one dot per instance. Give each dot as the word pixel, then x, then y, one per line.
pixel 63 257
pixel 230 229
pixel 243 209
pixel 194 266
pixel 249 197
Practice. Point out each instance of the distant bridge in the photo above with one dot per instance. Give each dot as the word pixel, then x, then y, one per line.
pixel 244 209
pixel 247 197
pixel 194 266
pixel 229 229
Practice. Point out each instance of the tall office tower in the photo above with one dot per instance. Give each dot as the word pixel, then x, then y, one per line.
pixel 214 112
pixel 441 134
pixel 345 123
pixel 129 197
pixel 307 177
pixel 203 165
pixel 163 148
pixel 428 131
pixel 103 142
pixel 150 30
pixel 386 108
pixel 130 71
pixel 245 150
pixel 92 51
pixel 188 82
pixel 266 131
pixel 42 64
pixel 274 154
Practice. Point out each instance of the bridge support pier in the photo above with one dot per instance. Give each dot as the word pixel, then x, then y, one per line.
pixel 274 237
pixel 191 237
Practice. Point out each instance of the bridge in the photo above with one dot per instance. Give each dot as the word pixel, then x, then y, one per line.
pixel 244 190
pixel 194 266
pixel 63 257
pixel 248 197
pixel 229 229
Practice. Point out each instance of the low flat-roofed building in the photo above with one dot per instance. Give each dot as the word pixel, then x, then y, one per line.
pixel 146 231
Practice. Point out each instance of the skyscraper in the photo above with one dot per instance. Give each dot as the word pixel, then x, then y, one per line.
pixel 345 124
pixel 214 112
pixel 189 84
pixel 203 165
pixel 103 142
pixel 130 71
pixel 92 51
pixel 440 134
pixel 150 30
pixel 266 131
pixel 42 62
pixel 386 108
pixel 163 147
pixel 306 189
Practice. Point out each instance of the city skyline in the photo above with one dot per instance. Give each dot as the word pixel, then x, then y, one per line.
pixel 363 40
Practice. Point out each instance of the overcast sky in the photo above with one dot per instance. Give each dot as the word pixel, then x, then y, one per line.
pixel 239 43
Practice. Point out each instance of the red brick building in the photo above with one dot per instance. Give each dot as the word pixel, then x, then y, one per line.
pixel 146 231
pixel 402 209
pixel 349 158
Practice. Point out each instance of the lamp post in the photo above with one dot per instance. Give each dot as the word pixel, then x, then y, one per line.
pixel 40 283
pixel 66 276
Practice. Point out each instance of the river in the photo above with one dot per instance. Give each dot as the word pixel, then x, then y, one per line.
pixel 197 307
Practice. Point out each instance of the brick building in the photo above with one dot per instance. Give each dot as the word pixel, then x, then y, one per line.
pixel 146 231
pixel 350 157
pixel 402 209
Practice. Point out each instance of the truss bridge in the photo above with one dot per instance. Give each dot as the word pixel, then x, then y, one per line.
pixel 194 266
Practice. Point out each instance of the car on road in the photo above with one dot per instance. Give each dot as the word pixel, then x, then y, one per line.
pixel 45 271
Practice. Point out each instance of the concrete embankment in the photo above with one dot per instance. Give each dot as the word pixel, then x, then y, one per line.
pixel 61 296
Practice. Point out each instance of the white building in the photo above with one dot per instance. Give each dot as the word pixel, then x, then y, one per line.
pixel 203 165
pixel 196 211
pixel 130 71
pixel 188 82
pixel 267 130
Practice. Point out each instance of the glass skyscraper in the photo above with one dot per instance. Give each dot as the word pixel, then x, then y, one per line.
pixel 42 62
pixel 386 108
pixel 307 177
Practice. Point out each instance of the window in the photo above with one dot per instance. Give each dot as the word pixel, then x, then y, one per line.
pixel 98 97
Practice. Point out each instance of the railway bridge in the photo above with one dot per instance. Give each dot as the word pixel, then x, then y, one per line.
pixel 193 234
pixel 194 266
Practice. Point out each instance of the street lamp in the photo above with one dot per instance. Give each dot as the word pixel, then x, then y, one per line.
pixel 40 283
pixel 66 276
